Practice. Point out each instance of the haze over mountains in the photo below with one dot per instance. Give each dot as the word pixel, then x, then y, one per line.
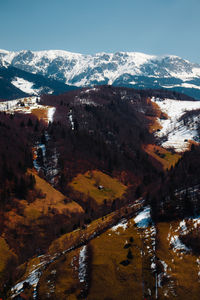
pixel 129 69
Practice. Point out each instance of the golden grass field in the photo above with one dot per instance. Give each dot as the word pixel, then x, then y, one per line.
pixel 52 199
pixel 110 279
pixel 40 113
pixel 89 182
pixel 166 158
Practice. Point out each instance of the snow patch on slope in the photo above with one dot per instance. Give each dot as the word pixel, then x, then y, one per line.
pixel 32 280
pixel 175 132
pixel 177 244
pixel 143 219
pixel 122 224
pixel 51 112
pixel 82 264
pixel 70 116
pixel 174 235
pixel 24 85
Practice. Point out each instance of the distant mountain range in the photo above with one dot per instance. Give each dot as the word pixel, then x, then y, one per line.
pixel 129 69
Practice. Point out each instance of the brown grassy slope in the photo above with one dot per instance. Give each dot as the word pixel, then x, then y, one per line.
pixel 110 279
pixel 31 226
pixel 41 114
pixel 52 199
pixel 182 267
pixel 60 279
pixel 162 156
pixel 8 261
pixel 98 186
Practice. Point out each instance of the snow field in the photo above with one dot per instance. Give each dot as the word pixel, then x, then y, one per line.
pixel 176 133
pixel 25 86
pixel 143 219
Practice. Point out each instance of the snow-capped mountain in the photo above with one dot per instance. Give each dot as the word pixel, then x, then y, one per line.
pixel 130 69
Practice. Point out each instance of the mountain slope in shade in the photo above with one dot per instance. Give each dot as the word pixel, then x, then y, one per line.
pixel 16 83
pixel 131 69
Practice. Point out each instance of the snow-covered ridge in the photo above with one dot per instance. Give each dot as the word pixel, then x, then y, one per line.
pixel 4 51
pixel 84 69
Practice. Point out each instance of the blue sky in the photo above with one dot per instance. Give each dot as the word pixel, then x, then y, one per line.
pixel 90 26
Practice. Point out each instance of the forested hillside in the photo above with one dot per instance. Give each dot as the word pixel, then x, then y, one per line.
pixel 87 169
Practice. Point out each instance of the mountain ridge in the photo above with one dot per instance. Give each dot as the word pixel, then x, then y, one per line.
pixel 130 69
